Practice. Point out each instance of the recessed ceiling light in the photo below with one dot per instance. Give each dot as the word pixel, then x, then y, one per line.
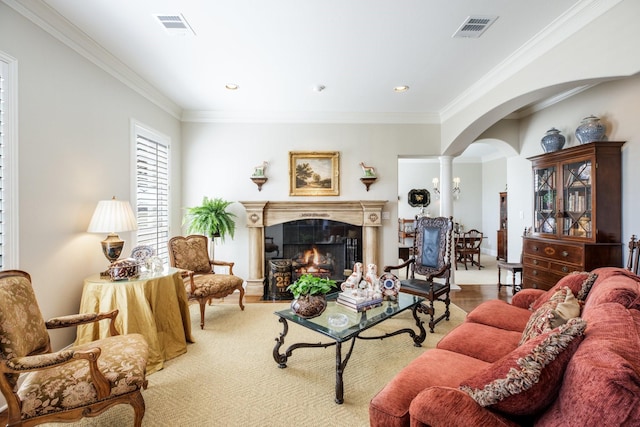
pixel 232 86
pixel 401 88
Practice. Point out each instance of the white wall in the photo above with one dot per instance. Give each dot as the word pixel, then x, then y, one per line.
pixel 219 158
pixel 74 149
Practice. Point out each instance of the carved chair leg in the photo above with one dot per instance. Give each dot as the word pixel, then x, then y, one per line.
pixel 241 289
pixel 202 303
pixel 138 408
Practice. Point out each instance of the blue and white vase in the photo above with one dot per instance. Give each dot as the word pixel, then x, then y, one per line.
pixel 590 130
pixel 553 140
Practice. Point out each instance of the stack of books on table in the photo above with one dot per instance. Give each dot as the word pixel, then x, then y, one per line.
pixel 357 302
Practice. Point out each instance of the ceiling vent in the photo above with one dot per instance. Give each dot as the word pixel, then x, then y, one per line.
pixel 474 26
pixel 175 25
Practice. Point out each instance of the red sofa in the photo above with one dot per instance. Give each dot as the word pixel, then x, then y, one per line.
pixel 595 381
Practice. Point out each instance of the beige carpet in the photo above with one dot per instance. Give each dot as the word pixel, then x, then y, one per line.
pixel 229 378
pixel 488 275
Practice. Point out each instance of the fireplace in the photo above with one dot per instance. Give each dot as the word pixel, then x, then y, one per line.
pixel 366 215
pixel 320 247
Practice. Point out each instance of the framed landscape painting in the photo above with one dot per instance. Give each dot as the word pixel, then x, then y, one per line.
pixel 314 173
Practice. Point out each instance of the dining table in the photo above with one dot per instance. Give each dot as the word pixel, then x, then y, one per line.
pixel 460 240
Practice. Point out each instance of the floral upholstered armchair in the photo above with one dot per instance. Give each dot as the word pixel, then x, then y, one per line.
pixel 201 282
pixel 44 386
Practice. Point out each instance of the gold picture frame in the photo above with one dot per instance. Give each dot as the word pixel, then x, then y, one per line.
pixel 314 173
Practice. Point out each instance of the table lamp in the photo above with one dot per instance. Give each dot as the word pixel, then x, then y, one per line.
pixel 112 216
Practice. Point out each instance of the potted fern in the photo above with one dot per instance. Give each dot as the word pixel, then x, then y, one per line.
pixel 212 219
pixel 309 294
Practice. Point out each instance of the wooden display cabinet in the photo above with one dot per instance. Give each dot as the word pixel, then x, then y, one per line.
pixel 502 231
pixel 577 213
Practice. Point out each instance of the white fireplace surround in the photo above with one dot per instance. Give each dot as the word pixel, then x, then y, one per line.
pixel 364 213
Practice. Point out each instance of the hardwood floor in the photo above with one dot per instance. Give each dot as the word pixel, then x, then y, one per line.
pixel 472 295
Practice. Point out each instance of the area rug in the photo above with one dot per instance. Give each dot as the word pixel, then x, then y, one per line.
pixel 228 377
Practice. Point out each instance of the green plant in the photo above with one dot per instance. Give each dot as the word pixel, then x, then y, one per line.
pixel 211 218
pixel 308 284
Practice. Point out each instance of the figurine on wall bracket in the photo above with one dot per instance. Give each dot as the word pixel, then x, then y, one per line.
pixel 368 175
pixel 259 177
pixel 368 171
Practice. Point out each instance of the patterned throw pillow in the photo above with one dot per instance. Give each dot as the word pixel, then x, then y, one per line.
pixel 540 320
pixel 566 310
pixel 580 283
pixel 582 294
pixel 528 379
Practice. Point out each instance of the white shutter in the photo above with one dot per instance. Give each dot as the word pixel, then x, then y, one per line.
pixel 3 73
pixel 9 226
pixel 152 194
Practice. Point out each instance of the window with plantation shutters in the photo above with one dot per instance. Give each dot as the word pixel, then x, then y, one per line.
pixel 8 163
pixel 152 190
pixel 3 72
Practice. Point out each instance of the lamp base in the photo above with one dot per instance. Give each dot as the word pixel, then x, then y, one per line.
pixel 112 247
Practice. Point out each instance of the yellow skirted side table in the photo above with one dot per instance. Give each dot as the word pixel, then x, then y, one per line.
pixel 154 305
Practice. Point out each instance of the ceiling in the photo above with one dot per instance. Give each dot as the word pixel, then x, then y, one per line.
pixel 279 52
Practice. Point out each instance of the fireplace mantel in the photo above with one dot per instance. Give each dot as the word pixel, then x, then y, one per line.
pixel 260 214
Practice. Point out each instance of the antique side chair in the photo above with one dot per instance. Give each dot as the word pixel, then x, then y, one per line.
pixel 634 254
pixel 41 386
pixel 202 283
pixel 431 259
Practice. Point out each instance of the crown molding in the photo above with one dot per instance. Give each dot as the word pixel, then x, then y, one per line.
pixel 309 117
pixel 50 21
pixel 546 103
pixel 576 18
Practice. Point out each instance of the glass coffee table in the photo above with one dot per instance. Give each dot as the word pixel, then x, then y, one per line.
pixel 340 324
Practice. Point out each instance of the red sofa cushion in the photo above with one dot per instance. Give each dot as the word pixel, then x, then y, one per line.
pixel 613 285
pixel 602 381
pixel 527 380
pixel 390 407
pixel 480 341
pixel 500 314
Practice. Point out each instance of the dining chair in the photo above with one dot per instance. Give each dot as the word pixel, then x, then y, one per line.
pixel 467 247
pixel 432 259
pixel 43 386
pixel 202 283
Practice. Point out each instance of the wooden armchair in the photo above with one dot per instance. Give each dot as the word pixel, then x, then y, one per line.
pixel 41 386
pixel 202 284
pixel 432 259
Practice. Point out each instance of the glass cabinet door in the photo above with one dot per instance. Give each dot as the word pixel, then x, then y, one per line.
pixel 577 199
pixel 545 208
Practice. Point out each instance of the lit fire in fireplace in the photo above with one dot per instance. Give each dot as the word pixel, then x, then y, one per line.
pixel 313 262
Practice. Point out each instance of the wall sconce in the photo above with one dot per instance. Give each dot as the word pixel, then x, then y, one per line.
pixel 258 176
pixel 456 187
pixel 455 190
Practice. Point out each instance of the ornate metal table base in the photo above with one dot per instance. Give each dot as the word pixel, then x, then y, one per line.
pixel 281 358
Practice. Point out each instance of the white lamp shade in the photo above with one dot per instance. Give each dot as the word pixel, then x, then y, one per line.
pixel 112 216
